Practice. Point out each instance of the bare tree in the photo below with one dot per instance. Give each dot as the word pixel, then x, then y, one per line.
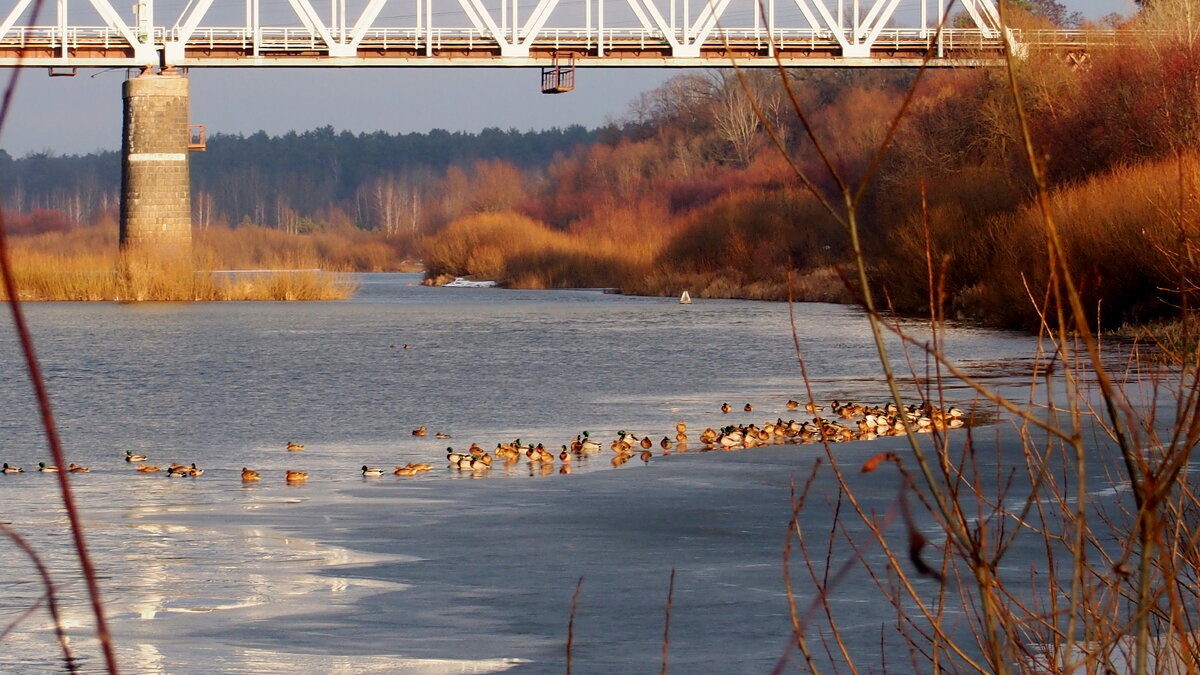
pixel 203 205
pixel 289 220
pixel 732 96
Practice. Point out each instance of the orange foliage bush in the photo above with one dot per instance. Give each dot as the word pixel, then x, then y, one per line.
pixel 1129 235
pixel 520 251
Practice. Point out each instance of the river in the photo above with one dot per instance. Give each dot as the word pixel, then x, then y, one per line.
pixel 447 572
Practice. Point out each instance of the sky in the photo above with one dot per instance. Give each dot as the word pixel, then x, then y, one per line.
pixel 81 114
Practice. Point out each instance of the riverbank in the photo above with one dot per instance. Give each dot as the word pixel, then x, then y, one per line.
pixel 824 284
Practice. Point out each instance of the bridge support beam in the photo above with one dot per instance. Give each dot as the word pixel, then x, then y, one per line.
pixel 156 197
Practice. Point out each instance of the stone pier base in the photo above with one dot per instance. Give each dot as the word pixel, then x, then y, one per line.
pixel 156 197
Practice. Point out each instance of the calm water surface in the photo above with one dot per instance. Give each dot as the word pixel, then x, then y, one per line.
pixel 443 573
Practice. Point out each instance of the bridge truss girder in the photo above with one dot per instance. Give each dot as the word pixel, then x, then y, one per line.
pixel 653 32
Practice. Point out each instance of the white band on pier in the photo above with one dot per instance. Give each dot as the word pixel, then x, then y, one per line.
pixel 157 157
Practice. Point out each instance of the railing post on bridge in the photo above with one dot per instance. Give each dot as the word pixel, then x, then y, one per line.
pixel 156 200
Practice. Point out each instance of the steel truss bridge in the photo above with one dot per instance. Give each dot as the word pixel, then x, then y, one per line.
pixel 71 34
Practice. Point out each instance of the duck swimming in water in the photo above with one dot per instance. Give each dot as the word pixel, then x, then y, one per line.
pixel 42 466
pixel 250 475
pixel 296 476
pixel 725 407
pixel 75 468
pixel 293 447
pixel 371 471
pixel 130 457
pixel 12 469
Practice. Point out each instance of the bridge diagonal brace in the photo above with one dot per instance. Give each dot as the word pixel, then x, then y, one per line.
pixel 707 21
pixel 864 25
pixel 473 16
pixel 990 24
pixel 813 22
pixel 647 24
pixel 174 47
pixel 114 21
pixel 988 27
pixel 877 22
pixel 827 23
pixel 659 22
pixel 12 17
pixel 536 20
pixel 312 21
pixel 365 21
pixel 482 18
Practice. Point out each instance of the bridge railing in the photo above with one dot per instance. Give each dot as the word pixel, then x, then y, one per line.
pixel 285 39
pixel 300 35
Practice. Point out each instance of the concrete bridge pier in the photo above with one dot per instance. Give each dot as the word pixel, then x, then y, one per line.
pixel 156 197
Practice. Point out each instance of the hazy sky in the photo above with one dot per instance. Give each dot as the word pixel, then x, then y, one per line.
pixel 83 113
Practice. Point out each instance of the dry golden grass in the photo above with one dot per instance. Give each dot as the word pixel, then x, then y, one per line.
pixel 45 277
pixel 275 285
pixel 84 265
pixel 345 249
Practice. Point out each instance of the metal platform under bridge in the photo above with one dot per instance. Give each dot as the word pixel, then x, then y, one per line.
pixel 514 33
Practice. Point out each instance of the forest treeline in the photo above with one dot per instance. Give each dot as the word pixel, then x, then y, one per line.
pixel 322 177
pixel 689 191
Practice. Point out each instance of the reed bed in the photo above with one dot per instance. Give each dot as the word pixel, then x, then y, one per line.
pixel 343 249
pixel 44 277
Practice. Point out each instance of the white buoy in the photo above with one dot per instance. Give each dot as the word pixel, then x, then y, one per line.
pixel 685 299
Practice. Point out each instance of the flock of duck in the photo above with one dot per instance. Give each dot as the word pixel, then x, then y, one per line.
pixel 856 422
pixel 849 422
